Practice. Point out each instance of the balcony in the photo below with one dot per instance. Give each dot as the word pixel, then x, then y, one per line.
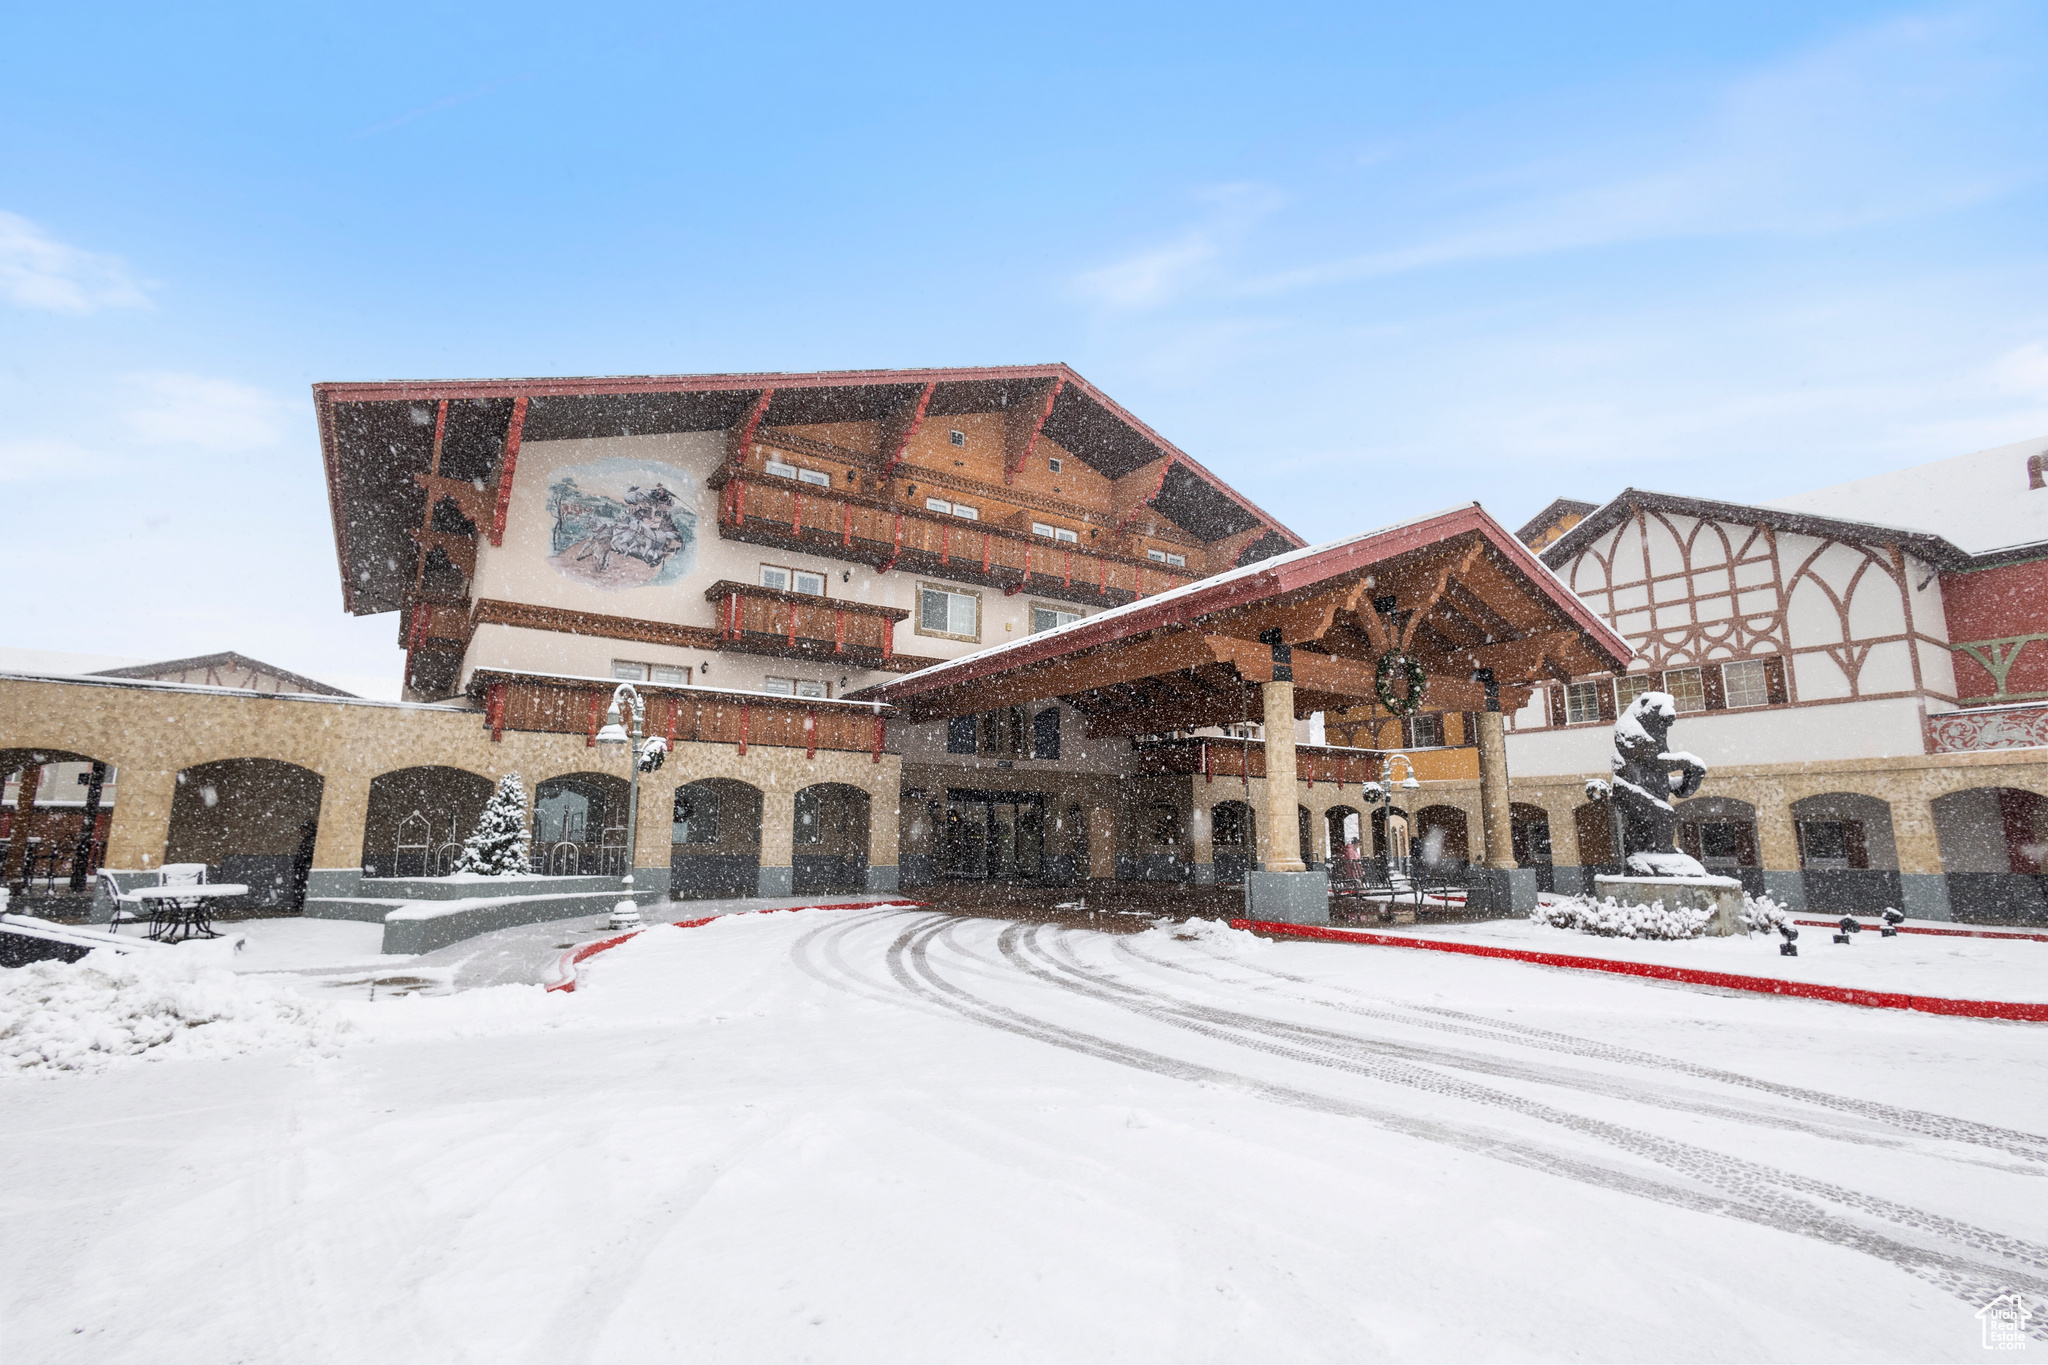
pixel 1217 757
pixel 548 704
pixel 793 625
pixel 769 509
pixel 1988 727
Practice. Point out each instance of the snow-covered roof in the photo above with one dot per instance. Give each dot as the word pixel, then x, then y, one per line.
pixel 1981 502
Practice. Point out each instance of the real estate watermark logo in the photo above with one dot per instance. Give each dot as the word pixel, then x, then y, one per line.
pixel 2005 1323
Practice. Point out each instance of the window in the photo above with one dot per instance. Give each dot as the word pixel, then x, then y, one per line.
pixel 781 470
pixel 782 578
pixel 1061 533
pixel 1581 703
pixel 1053 464
pixel 1176 561
pixel 795 687
pixel 1686 688
pixel 958 438
pixel 1744 683
pixel 966 513
pixel 952 509
pixel 952 615
pixel 631 672
pixel 1156 556
pixel 1630 686
pixel 671 676
pixel 1423 732
pixel 815 476
pixel 960 733
pixel 1045 617
pixel 938 505
pixel 1045 733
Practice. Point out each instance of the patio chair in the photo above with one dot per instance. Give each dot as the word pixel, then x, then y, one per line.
pixel 195 917
pixel 121 914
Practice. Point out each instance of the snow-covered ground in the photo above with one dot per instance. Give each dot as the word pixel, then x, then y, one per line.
pixel 1955 967
pixel 900 1136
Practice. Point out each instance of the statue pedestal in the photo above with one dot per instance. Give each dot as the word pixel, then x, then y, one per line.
pixel 1721 895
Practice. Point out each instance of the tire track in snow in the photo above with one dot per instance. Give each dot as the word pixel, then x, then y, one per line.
pixel 2010 1141
pixel 1360 1055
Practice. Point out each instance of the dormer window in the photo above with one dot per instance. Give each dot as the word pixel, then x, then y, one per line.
pixel 958 438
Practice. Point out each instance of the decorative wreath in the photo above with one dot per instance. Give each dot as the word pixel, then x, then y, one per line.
pixel 1383 682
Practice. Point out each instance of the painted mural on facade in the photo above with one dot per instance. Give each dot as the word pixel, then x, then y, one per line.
pixel 623 523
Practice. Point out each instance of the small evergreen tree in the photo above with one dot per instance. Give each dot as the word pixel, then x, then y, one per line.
pixel 498 848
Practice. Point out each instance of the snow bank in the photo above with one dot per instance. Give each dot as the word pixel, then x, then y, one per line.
pixel 86 1015
pixel 1610 918
pixel 1213 934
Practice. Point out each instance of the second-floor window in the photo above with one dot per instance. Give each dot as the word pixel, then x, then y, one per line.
pixel 1171 561
pixel 1582 703
pixel 1050 532
pixel 1745 683
pixel 1423 732
pixel 795 687
pixel 671 675
pixel 789 471
pixel 950 615
pixel 1050 618
pixel 1629 686
pixel 782 578
pixel 952 509
pixel 1687 689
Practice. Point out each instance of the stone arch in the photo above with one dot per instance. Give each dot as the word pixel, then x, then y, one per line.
pixel 1442 834
pixel 1233 839
pixel 1345 830
pixel 1848 854
pixel 1529 830
pixel 57 837
pixel 830 839
pixel 715 839
pixel 417 818
pixel 1720 831
pixel 1994 848
pixel 253 821
pixel 579 825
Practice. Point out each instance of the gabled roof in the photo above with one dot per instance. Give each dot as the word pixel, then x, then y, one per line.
pixel 1553 514
pixel 230 661
pixel 374 436
pixel 1932 549
pixel 1223 602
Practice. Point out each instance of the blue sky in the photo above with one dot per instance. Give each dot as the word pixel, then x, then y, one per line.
pixel 1362 260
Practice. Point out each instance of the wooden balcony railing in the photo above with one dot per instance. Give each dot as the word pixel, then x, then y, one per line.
pixel 767 509
pixel 1216 758
pixel 798 625
pixel 682 715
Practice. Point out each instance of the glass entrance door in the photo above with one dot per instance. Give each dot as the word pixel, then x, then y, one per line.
pixel 995 835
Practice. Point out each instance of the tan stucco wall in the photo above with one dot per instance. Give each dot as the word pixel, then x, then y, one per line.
pixel 152 734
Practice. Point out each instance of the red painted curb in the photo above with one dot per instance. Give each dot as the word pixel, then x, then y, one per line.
pixel 1764 985
pixel 1944 933
pixel 565 965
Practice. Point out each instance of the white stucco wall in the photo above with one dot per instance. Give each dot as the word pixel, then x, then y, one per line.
pixel 1862 729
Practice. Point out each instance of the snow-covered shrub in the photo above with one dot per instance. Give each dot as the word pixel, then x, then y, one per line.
pixel 1611 919
pixel 498 848
pixel 84 1015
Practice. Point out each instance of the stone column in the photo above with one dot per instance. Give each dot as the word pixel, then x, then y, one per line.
pixel 142 819
pixel 18 832
pixel 1777 844
pixel 778 842
pixel 1494 816
pixel 338 843
pixel 651 836
pixel 1101 843
pixel 1202 841
pixel 885 814
pixel 1283 830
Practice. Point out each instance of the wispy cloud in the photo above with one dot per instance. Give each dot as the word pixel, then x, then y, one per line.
pixel 37 460
pixel 1881 125
pixel 212 414
pixel 1160 274
pixel 445 102
pixel 38 271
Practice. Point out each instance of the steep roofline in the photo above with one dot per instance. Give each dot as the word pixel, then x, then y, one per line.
pixel 1934 549
pixel 1254 583
pixel 228 659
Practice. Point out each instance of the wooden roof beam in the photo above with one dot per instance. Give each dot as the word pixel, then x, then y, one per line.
pixel 1023 424
pixel 1133 493
pixel 898 428
pixel 739 438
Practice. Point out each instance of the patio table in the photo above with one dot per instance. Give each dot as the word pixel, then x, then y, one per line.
pixel 182 912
